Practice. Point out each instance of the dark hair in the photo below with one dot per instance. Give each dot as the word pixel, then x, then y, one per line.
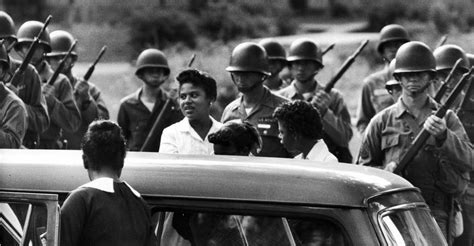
pixel 241 135
pixel 300 117
pixel 199 79
pixel 104 145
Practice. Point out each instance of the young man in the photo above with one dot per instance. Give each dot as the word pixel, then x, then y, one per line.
pixel 249 68
pixel 305 61
pixel 276 62
pixel 28 87
pixel 107 210
pixel 63 112
pixel 235 138
pixel 13 122
pixel 87 96
pixel 374 96
pixel 301 131
pixel 139 110
pixel 391 132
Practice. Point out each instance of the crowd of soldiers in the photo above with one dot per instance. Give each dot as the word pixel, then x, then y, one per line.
pixel 296 118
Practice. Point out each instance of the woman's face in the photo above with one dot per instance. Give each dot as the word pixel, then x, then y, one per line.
pixel 194 102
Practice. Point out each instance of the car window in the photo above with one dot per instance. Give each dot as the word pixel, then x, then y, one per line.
pixel 197 228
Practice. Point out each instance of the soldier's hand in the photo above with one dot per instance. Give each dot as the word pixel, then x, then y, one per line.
pixel 48 92
pixel 436 126
pixel 390 167
pixel 81 91
pixel 321 101
pixel 13 88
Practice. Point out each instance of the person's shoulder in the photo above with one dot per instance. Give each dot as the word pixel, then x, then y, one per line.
pixel 129 99
pixel 375 77
pixel 234 104
pixel 279 99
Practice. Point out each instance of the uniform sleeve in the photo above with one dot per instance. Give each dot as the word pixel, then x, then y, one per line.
pixel 38 118
pixel 73 217
pixel 96 109
pixel 123 121
pixel 371 151
pixel 337 121
pixel 13 125
pixel 168 144
pixel 64 111
pixel 365 110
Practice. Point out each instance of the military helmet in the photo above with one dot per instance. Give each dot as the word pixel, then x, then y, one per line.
pixel 274 49
pixel 391 33
pixel 414 56
pixel 305 49
pixel 152 58
pixel 470 57
pixel 4 58
pixel 61 42
pixel 29 30
pixel 248 57
pixel 447 55
pixel 7 25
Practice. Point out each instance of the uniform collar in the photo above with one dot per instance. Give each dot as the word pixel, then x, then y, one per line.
pixel 401 107
pixel 136 96
pixel 184 125
pixel 107 185
pixel 266 100
pixel 293 91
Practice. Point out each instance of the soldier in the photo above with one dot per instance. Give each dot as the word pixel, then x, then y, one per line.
pixel 28 87
pixel 393 86
pixel 305 61
pixel 276 62
pixel 87 96
pixel 390 133
pixel 13 122
pixel 62 109
pixel 374 96
pixel 139 110
pixel 249 68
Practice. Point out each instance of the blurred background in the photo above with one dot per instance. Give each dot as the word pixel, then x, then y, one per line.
pixel 211 28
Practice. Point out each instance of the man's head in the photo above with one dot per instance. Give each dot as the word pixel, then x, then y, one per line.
pixel 297 121
pixel 276 56
pixel 305 60
pixel 26 35
pixel 235 138
pixel 446 57
pixel 248 66
pixel 103 147
pixel 391 38
pixel 415 67
pixel 152 67
pixel 61 42
pixel 7 29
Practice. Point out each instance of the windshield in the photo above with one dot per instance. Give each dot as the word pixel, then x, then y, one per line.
pixel 410 226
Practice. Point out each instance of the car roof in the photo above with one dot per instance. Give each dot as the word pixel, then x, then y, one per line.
pixel 209 177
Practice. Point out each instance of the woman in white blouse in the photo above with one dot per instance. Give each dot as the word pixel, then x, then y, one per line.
pixel 197 91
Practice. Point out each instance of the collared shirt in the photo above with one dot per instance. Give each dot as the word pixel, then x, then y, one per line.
pixel 181 138
pixel 106 184
pixel 261 117
pixel 136 120
pixel 13 122
pixel 319 152
pixel 374 98
pixel 96 109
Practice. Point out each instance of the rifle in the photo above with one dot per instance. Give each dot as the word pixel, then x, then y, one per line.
pixel 61 64
pixel 440 93
pixel 191 61
pixel 29 55
pixel 330 47
pixel 423 135
pixel 157 125
pixel 92 67
pixel 9 48
pixel 344 67
pixel 442 41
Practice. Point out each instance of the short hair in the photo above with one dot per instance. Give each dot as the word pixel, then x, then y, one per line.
pixel 104 145
pixel 199 79
pixel 241 135
pixel 300 117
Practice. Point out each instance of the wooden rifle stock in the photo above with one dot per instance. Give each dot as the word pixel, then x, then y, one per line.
pixel 330 47
pixel 423 135
pixel 61 64
pixel 157 127
pixel 29 55
pixel 440 93
pixel 91 69
pixel 344 67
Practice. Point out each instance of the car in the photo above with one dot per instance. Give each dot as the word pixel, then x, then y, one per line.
pixel 225 200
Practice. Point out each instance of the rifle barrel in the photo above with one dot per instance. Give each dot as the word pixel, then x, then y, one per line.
pixel 55 75
pixel 191 61
pixel 152 135
pixel 92 67
pixel 330 47
pixel 442 41
pixel 440 93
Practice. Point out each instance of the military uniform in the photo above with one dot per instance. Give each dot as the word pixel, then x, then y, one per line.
pixel 13 122
pixel 336 121
pixel 136 120
pixel 261 116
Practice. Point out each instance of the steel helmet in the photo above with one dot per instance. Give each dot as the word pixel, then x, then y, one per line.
pixel 414 56
pixel 249 57
pixel 61 42
pixel 305 49
pixel 4 58
pixel 471 59
pixel 447 55
pixel 7 25
pixel 391 33
pixel 29 30
pixel 152 58
pixel 274 49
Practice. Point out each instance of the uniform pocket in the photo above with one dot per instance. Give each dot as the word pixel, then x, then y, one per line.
pixel 267 127
pixel 390 141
